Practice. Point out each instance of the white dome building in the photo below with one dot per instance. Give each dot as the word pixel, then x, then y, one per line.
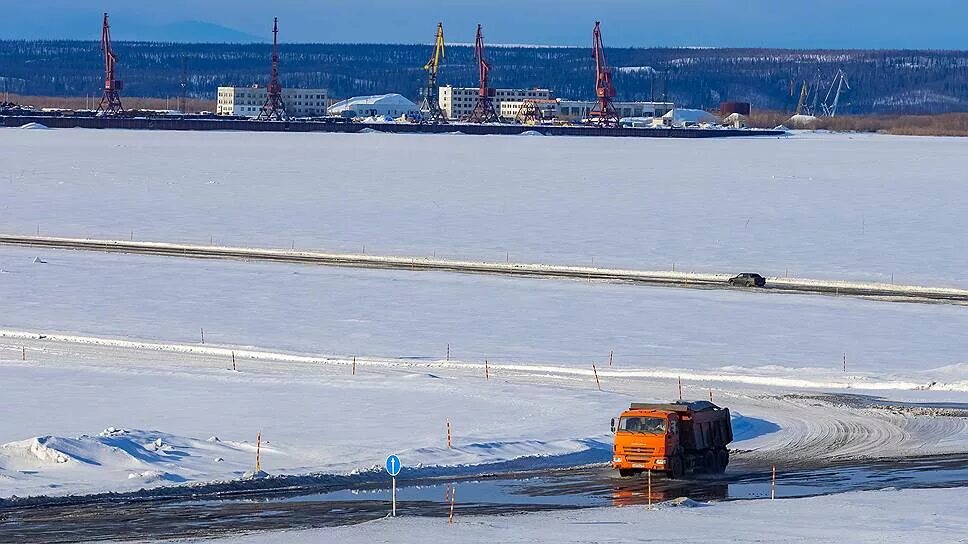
pixel 383 105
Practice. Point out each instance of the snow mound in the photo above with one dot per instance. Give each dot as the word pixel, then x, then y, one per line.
pixel 684 502
pixel 122 460
pixel 369 131
pixel 680 116
pixel 531 133
pixel 801 121
pixel 155 476
pixel 748 428
pixel 34 126
pixel 255 475
pixel 36 450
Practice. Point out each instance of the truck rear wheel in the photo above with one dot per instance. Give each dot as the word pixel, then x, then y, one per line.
pixel 710 462
pixel 627 472
pixel 675 468
pixel 722 458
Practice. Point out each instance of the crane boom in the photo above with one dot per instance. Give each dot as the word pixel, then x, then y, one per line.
pixel 433 65
pixel 839 81
pixel 803 99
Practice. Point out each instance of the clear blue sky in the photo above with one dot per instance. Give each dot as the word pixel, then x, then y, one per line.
pixel 933 24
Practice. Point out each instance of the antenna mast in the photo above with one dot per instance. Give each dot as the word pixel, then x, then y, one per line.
pixel 484 109
pixel 604 111
pixel 430 107
pixel 183 97
pixel 111 99
pixel 274 108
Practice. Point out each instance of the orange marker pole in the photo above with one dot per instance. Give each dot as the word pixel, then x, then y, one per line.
pixel 258 453
pixel 595 370
pixel 710 395
pixel 448 434
pixel 680 387
pixel 23 353
pixel 610 358
pixel 486 372
pixel 354 365
pixel 233 362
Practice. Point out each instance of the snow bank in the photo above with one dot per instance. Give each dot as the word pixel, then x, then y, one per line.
pixel 34 126
pixel 801 121
pixel 119 459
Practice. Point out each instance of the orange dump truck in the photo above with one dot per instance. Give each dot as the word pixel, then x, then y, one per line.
pixel 674 438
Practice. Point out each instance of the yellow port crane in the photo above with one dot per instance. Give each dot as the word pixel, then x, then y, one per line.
pixel 430 107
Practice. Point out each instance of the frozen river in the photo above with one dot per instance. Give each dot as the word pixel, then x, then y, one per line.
pixel 861 207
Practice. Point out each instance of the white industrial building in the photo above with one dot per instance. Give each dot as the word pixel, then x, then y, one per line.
pixel 382 105
pixel 459 102
pixel 576 110
pixel 247 101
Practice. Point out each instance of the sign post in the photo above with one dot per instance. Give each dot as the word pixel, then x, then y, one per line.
pixel 393 468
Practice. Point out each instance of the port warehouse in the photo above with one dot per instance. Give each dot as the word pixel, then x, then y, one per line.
pixel 456 102
pixel 248 101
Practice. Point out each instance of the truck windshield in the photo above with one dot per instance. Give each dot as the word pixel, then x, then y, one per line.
pixel 645 425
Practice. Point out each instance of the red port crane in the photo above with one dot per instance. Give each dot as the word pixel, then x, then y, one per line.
pixel 274 108
pixel 603 112
pixel 111 99
pixel 484 109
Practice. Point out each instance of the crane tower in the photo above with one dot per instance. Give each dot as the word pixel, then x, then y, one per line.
pixel 604 112
pixel 484 109
pixel 432 112
pixel 839 81
pixel 274 107
pixel 111 99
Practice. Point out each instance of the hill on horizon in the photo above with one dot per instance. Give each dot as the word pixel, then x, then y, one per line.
pixel 881 81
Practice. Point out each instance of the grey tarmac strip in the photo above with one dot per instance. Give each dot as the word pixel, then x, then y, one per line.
pixel 875 291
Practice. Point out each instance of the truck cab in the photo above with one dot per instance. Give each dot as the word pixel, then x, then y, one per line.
pixel 671 438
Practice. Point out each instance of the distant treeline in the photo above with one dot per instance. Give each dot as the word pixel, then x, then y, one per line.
pixel 880 81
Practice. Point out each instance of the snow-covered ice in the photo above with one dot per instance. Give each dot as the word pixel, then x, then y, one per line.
pixel 861 207
pixel 417 314
pixel 117 393
pixel 161 410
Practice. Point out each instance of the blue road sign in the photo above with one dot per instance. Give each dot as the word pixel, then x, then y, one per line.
pixel 393 465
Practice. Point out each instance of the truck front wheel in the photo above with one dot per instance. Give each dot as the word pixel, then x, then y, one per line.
pixel 627 472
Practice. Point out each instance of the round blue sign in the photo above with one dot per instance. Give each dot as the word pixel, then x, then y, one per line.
pixel 393 465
